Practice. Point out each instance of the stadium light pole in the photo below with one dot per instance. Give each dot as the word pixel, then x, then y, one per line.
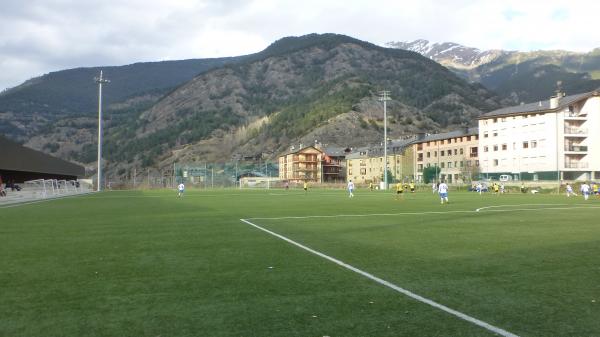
pixel 100 80
pixel 384 96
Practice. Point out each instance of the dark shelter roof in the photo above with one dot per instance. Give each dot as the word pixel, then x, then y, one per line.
pixel 15 157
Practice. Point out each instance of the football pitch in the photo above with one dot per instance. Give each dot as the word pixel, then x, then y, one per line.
pixel 290 263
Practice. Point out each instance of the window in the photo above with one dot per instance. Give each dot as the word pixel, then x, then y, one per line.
pixel 495 147
pixel 428 165
pixel 533 144
pixel 495 120
pixel 525 145
pixel 485 149
pixel 477 163
pixel 461 151
pixel 442 165
pixel 350 172
pixel 449 164
pixel 462 163
pixel 495 134
pixel 485 134
pixel 495 162
pixel 435 153
pixel 420 168
pixel 456 152
pixel 442 153
pixel 428 154
pixel 504 147
pixel 363 171
pixel 469 163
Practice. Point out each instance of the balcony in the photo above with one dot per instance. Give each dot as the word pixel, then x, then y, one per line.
pixel 575 116
pixel 576 165
pixel 576 148
pixel 574 131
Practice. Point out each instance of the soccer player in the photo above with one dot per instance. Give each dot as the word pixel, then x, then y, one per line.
pixel 399 190
pixel 305 186
pixel 502 189
pixel 569 190
pixel 479 188
pixel 496 188
pixel 180 188
pixel 585 190
pixel 433 188
pixel 371 186
pixel 443 191
pixel 350 189
pixel 595 188
pixel 412 187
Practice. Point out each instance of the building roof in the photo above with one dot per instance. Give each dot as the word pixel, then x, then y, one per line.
pixel 15 157
pixel 294 150
pixel 447 135
pixel 541 106
pixel 394 147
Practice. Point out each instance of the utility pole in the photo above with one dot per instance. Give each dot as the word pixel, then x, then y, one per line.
pixel 100 80
pixel 385 96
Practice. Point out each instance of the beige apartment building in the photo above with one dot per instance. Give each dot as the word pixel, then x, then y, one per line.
pixel 453 154
pixel 366 165
pixel 302 165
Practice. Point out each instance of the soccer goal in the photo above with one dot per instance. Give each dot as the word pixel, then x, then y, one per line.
pixel 259 183
pixel 41 188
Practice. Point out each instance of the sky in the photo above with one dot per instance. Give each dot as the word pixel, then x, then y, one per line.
pixel 41 36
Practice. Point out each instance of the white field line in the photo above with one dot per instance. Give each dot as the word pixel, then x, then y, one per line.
pixel 23 203
pixel 485 210
pixel 498 206
pixel 383 282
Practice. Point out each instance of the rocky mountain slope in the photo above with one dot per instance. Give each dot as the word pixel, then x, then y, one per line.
pixel 27 109
pixel 295 87
pixel 518 76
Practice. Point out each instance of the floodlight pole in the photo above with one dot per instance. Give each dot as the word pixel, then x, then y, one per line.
pixel 100 80
pixel 384 96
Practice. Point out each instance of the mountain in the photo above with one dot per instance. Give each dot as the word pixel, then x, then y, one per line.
pixel 298 90
pixel 450 54
pixel 514 75
pixel 72 93
pixel 295 87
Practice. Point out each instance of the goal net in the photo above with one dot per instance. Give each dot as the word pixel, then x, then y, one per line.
pixel 41 188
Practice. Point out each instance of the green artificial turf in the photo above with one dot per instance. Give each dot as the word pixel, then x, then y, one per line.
pixel 151 264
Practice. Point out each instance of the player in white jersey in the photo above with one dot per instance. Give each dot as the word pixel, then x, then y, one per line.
pixel 180 188
pixel 479 188
pixel 350 189
pixel 443 191
pixel 570 190
pixel 585 190
pixel 433 188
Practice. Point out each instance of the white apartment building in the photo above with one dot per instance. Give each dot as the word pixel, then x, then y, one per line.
pixel 548 140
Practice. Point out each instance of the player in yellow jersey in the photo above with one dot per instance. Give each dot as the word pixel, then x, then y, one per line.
pixel 399 190
pixel 412 187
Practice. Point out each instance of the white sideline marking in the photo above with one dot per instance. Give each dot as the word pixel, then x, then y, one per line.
pixel 383 282
pixel 498 206
pixel 485 209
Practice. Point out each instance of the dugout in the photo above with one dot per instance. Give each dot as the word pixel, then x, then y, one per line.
pixel 19 164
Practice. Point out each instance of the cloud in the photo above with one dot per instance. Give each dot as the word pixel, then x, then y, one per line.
pixel 39 36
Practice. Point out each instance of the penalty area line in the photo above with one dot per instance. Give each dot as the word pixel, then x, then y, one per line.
pixel 390 285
